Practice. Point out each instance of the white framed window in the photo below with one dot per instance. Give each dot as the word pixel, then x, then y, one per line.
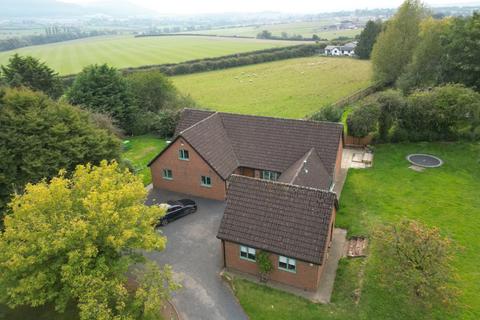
pixel 270 175
pixel 287 264
pixel 206 181
pixel 247 253
pixel 167 174
pixel 183 154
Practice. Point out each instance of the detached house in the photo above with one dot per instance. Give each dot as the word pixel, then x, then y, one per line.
pixel 277 176
pixel 345 50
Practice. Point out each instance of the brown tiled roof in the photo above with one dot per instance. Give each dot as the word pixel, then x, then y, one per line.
pixel 308 171
pixel 278 217
pixel 189 117
pixel 209 138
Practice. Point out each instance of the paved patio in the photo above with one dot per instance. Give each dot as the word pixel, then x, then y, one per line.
pixel 325 288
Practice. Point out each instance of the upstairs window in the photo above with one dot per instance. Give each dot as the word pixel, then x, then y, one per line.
pixel 183 154
pixel 206 181
pixel 247 253
pixel 287 264
pixel 167 174
pixel 270 175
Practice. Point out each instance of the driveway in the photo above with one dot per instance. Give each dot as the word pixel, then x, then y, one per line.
pixel 195 254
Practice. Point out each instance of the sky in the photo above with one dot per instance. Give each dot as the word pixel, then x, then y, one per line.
pixel 288 6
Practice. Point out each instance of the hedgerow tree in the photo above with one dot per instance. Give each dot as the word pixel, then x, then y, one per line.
pixel 367 39
pixel 40 136
pixel 363 120
pixel 74 240
pixel 31 73
pixel 418 260
pixel 394 47
pixel 103 89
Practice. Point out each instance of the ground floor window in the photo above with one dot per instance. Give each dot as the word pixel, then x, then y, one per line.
pixel 206 181
pixel 247 253
pixel 287 264
pixel 167 174
pixel 270 175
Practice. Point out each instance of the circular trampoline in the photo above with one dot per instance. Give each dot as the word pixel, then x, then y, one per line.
pixel 424 160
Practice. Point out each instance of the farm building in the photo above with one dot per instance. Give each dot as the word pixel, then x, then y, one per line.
pixel 277 176
pixel 345 50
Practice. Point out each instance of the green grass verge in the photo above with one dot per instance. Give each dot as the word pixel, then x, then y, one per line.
pixel 290 88
pixel 446 197
pixel 126 51
pixel 141 150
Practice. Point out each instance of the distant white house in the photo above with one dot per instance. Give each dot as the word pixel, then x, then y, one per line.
pixel 345 50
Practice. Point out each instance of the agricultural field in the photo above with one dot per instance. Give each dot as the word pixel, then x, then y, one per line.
pixel 306 29
pixel 291 88
pixel 445 197
pixel 126 51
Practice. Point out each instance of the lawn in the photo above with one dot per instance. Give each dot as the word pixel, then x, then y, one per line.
pixel 290 88
pixel 126 51
pixel 306 29
pixel 141 150
pixel 445 197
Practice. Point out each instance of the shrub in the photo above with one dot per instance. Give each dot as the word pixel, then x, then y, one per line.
pixel 328 113
pixel 390 102
pixel 165 122
pixel 265 265
pixel 363 119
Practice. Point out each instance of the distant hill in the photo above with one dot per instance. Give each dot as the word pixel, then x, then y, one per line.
pixel 57 9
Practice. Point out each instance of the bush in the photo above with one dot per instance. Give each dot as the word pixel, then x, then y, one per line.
pixel 445 113
pixel 363 120
pixel 328 113
pixel 390 102
pixel 165 122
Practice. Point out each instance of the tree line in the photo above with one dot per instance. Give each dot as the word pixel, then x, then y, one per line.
pixel 51 36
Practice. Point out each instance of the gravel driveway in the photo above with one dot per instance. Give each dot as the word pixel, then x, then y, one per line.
pixel 195 254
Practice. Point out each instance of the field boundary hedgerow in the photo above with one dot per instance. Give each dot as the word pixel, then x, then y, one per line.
pixel 223 62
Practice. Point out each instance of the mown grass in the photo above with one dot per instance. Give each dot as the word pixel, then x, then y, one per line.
pixel 126 51
pixel 290 88
pixel 446 197
pixel 306 29
pixel 141 150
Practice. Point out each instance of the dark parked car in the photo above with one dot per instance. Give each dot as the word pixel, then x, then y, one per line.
pixel 177 209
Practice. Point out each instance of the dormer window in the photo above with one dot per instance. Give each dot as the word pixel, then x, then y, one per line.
pixel 183 154
pixel 270 175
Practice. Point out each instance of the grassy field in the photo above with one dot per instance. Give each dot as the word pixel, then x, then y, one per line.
pixel 127 51
pixel 306 29
pixel 445 197
pixel 141 150
pixel 290 88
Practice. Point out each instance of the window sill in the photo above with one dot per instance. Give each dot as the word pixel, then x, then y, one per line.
pixel 169 179
pixel 206 185
pixel 286 270
pixel 246 259
pixel 183 159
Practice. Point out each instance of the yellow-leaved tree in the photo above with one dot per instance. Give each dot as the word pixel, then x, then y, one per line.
pixel 76 239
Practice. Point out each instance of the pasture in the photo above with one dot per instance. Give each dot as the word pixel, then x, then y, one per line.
pixel 126 51
pixel 306 29
pixel 291 88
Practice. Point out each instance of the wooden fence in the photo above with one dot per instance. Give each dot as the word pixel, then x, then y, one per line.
pixel 360 94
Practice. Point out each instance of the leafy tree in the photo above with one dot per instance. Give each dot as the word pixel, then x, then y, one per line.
pixel 328 113
pixel 152 91
pixel 101 88
pixel 363 119
pixel 367 39
pixel 40 136
pixel 73 240
pixel 427 66
pixel 418 260
pixel 394 47
pixel 31 73
pixel 390 102
pixel 461 58
pixel 444 113
pixel 265 34
pixel 265 265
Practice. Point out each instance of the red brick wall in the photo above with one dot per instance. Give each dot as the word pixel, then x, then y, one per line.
pixel 186 174
pixel 306 277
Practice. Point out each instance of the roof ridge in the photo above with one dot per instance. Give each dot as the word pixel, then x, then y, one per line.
pixel 233 175
pixel 196 123
pixel 305 156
